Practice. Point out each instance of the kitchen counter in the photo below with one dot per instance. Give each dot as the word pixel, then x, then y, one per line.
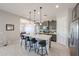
pixel 40 36
pixel 48 33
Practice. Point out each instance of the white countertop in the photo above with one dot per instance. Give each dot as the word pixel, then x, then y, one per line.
pixel 49 33
pixel 40 36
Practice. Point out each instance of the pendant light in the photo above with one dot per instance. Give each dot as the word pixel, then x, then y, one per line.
pixel 30 15
pixel 40 15
pixel 35 21
pixel 34 15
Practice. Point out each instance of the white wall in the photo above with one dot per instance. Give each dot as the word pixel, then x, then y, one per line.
pixel 63 27
pixel 9 36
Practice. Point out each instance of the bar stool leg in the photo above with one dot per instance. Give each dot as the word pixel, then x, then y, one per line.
pixel 35 47
pixel 25 44
pixel 46 50
pixel 30 47
pixel 42 51
pixel 21 42
pixel 37 50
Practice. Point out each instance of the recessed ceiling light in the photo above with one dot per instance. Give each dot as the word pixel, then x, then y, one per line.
pixel 57 6
pixel 38 13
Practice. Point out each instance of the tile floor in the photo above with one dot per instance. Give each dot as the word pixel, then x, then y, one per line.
pixel 18 50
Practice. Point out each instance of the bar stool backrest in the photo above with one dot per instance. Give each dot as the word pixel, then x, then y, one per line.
pixel 33 40
pixel 42 43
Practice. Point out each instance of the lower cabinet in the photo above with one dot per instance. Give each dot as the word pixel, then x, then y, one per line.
pixel 53 38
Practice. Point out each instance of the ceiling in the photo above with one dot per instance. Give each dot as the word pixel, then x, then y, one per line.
pixel 23 9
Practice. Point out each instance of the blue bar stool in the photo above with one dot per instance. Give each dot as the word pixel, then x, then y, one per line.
pixel 33 44
pixel 27 42
pixel 42 48
pixel 22 38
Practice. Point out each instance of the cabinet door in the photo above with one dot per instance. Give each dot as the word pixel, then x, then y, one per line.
pixel 78 10
pixel 74 15
pixel 52 25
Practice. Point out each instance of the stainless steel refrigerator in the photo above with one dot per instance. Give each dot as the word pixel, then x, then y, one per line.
pixel 74 37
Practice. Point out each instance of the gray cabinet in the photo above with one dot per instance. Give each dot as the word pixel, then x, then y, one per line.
pixel 51 25
pixel 74 16
pixel 75 12
pixel 77 8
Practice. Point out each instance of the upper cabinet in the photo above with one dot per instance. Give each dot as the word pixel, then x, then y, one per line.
pixel 75 12
pixel 77 8
pixel 48 26
pixel 52 25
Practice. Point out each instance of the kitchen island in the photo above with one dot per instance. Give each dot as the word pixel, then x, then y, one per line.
pixel 53 37
pixel 41 37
